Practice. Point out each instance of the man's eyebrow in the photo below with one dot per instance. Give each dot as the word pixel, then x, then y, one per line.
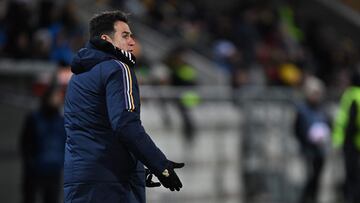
pixel 127 33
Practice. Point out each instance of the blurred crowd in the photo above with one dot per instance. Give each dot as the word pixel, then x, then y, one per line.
pixel 259 42
pixel 42 30
pixel 254 42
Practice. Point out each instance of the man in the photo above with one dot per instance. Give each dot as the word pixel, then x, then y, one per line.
pixel 346 134
pixel 42 148
pixel 106 144
pixel 312 130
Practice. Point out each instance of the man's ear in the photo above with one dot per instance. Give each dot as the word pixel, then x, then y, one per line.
pixel 104 37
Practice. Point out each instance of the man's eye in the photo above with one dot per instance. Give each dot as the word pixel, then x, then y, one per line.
pixel 126 36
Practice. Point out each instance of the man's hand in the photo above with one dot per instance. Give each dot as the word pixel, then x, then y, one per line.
pixel 148 179
pixel 168 177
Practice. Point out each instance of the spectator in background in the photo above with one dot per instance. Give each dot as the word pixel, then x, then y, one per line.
pixel 183 74
pixel 312 131
pixel 42 149
pixel 346 135
pixel 46 30
pixel 18 29
pixel 230 60
pixel 67 34
pixel 41 44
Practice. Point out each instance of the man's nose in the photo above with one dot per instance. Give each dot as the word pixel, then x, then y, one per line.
pixel 132 41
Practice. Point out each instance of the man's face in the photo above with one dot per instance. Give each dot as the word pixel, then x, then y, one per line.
pixel 122 38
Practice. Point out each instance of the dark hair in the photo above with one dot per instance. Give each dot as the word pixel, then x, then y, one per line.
pixel 103 23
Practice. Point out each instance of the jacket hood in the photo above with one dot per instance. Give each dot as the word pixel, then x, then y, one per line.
pixel 87 57
pixel 97 51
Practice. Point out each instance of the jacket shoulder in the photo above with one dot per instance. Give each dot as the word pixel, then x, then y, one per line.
pixel 111 65
pixel 108 69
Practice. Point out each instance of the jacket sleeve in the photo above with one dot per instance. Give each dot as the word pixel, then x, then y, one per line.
pixel 350 129
pixel 341 120
pixel 126 123
pixel 301 131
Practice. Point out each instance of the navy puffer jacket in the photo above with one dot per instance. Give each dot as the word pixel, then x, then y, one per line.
pixel 105 138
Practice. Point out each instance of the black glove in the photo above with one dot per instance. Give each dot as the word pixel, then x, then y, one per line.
pixel 148 179
pixel 168 177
